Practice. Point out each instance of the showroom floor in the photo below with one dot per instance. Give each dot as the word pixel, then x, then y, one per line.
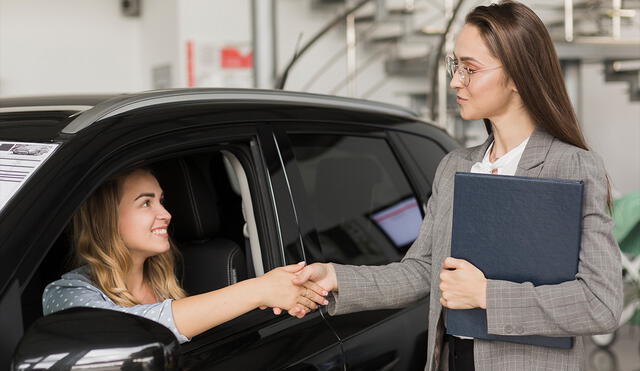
pixel 623 355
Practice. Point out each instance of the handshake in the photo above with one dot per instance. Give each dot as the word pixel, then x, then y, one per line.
pixel 296 288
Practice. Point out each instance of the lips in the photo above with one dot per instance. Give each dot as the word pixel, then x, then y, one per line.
pixel 460 99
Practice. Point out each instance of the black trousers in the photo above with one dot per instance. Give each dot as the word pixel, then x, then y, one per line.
pixel 460 353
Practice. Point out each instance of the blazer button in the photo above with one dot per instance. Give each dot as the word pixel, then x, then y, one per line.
pixel 508 329
pixel 520 330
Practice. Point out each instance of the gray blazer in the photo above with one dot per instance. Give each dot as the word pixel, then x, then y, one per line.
pixel 590 304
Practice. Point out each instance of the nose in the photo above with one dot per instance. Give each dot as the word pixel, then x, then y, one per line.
pixel 455 82
pixel 163 214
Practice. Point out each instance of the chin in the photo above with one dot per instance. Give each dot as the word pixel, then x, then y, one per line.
pixel 469 116
pixel 159 249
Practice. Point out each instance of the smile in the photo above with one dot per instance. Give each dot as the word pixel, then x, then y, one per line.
pixel 159 231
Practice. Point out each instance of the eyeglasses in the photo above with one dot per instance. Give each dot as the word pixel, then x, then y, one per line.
pixel 454 67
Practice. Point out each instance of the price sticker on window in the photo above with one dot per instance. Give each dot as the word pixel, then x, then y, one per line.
pixel 18 162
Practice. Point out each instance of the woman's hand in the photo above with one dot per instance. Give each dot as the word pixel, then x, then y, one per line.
pixel 322 274
pixel 462 285
pixel 277 290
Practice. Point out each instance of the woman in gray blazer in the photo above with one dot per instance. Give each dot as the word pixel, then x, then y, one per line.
pixel 505 71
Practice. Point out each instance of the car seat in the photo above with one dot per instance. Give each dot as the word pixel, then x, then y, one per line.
pixel 209 262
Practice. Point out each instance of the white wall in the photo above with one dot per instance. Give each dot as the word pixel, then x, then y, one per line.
pixel 159 45
pixel 211 25
pixel 611 124
pixel 67 46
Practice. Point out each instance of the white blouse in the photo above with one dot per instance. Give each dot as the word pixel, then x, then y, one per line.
pixel 505 165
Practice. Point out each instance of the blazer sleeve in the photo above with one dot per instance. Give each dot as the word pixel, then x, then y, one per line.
pixel 590 304
pixel 393 285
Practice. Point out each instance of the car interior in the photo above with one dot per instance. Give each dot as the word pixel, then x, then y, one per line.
pixel 213 227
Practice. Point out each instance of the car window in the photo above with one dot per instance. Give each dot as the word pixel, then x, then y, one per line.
pixel 207 228
pixel 364 209
pixel 425 152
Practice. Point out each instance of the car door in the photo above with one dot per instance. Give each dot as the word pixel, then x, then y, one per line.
pixel 360 198
pixel 257 340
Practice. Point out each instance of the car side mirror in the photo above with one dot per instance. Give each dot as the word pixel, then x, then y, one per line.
pixel 90 339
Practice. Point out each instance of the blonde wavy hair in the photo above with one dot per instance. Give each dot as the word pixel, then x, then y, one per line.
pixel 97 244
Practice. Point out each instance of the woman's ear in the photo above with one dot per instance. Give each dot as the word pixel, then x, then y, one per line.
pixel 512 86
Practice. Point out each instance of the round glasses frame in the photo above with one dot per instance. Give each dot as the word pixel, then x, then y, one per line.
pixel 455 68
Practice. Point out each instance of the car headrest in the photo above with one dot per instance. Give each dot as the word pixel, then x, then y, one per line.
pixel 343 188
pixel 190 198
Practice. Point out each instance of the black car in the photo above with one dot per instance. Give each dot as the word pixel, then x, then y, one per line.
pixel 254 179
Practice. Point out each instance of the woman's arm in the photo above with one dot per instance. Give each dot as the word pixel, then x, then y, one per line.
pixel 395 285
pixel 192 315
pixel 590 304
pixel 196 314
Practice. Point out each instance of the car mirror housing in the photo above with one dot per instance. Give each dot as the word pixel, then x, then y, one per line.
pixel 90 338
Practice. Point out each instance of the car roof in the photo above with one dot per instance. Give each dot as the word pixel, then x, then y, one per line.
pixel 52 101
pixel 82 111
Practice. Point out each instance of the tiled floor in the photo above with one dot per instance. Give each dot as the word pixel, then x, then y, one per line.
pixel 622 355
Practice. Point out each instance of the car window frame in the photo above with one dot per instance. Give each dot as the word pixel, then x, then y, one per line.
pixel 302 204
pixel 44 237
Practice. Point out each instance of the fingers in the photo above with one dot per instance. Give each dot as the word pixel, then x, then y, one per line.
pixel 303 276
pixel 453 263
pixel 262 307
pixel 310 293
pixel 443 302
pixel 277 311
pixel 298 311
pixel 307 303
pixel 293 268
pixel 316 288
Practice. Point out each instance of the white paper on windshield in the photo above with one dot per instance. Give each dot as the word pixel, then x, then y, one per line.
pixel 18 161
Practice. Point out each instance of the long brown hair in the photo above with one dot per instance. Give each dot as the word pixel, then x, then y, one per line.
pixel 97 244
pixel 517 37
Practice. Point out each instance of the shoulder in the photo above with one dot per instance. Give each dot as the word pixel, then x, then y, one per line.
pixel 453 157
pixel 573 162
pixel 72 286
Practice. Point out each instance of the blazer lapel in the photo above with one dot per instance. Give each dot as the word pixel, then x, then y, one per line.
pixel 534 153
pixel 476 154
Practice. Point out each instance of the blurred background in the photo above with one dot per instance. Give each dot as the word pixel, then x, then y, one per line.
pixel 383 50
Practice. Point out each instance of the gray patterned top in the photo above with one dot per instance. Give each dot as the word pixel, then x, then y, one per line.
pixel 75 289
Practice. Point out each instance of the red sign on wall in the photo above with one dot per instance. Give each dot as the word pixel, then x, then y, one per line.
pixel 230 57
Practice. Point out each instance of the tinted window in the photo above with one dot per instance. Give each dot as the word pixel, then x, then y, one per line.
pixel 363 207
pixel 425 152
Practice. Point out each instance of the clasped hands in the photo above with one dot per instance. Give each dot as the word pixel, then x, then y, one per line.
pixel 298 288
pixel 462 286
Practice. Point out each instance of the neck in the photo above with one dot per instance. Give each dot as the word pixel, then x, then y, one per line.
pixel 509 131
pixel 135 277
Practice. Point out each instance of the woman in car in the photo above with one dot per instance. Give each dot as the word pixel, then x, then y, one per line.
pixel 121 240
pixel 506 72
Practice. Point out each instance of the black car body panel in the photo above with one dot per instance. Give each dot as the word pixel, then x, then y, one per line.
pixel 100 135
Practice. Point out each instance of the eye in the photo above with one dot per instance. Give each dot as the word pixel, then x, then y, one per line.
pixel 146 203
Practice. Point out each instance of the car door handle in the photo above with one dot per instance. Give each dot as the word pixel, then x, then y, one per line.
pixel 390 365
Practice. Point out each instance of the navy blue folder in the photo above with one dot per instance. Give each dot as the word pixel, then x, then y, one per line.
pixel 516 229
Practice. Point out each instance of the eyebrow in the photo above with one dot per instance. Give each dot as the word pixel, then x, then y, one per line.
pixel 464 59
pixel 152 195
